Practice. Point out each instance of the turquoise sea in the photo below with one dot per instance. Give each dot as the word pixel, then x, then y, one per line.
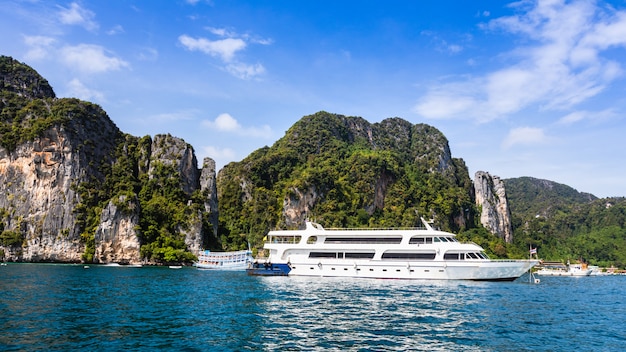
pixel 69 308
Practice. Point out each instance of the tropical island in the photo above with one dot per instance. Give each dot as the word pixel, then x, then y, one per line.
pixel 77 189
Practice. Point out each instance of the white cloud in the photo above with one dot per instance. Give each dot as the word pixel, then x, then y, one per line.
pixel 183 115
pixel 583 115
pixel 148 54
pixel 219 153
pixel 223 48
pixel 91 59
pixel 525 136
pixel 226 123
pixel 77 89
pixel 221 156
pixel 573 117
pixel 39 47
pixel 443 101
pixel 560 68
pixel 222 32
pixel 442 44
pixel 245 71
pixel 77 15
pixel 118 29
pixel 226 49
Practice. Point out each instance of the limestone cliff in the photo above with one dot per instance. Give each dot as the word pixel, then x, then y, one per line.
pixel 344 171
pixel 491 198
pixel 72 184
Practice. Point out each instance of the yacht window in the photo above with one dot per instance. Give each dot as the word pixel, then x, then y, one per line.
pixel 311 239
pixel 372 240
pixel 285 239
pixel 359 255
pixel 472 256
pixel 323 255
pixel 409 255
pixel 451 256
pixel 417 240
pixel 429 240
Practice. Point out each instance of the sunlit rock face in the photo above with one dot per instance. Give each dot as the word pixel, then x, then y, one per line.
pixel 491 198
pixel 64 148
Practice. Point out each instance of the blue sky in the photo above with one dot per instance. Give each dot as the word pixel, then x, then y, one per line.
pixel 530 88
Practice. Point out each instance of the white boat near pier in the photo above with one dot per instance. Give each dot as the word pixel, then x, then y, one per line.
pixel 559 269
pixel 238 260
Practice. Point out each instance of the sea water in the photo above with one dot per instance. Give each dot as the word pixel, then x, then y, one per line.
pixel 70 308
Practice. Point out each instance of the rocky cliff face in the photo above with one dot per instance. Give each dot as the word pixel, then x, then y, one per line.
pixel 38 185
pixel 116 239
pixel 55 171
pixel 168 150
pixel 491 197
pixel 208 186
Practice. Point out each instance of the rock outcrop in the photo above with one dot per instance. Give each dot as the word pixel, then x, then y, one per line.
pixel 116 239
pixel 208 187
pixel 38 185
pixel 57 174
pixel 491 198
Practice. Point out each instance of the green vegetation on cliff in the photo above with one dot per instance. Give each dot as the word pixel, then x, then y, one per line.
pixel 163 209
pixel 345 172
pixel 565 224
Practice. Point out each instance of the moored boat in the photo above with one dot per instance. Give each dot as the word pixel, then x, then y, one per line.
pixel 415 253
pixel 237 260
pixel 559 269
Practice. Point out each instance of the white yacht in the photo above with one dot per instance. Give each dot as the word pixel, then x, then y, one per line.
pixel 415 253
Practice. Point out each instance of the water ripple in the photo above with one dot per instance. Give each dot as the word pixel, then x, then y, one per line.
pixel 60 308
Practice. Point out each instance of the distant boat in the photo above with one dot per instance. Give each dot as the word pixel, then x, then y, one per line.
pixel 175 266
pixel 118 265
pixel 237 260
pixel 559 269
pixel 133 265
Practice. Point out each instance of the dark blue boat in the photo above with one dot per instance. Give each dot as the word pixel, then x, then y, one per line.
pixel 268 269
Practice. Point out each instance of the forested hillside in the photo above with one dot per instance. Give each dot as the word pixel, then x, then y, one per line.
pixel 345 172
pixel 566 224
